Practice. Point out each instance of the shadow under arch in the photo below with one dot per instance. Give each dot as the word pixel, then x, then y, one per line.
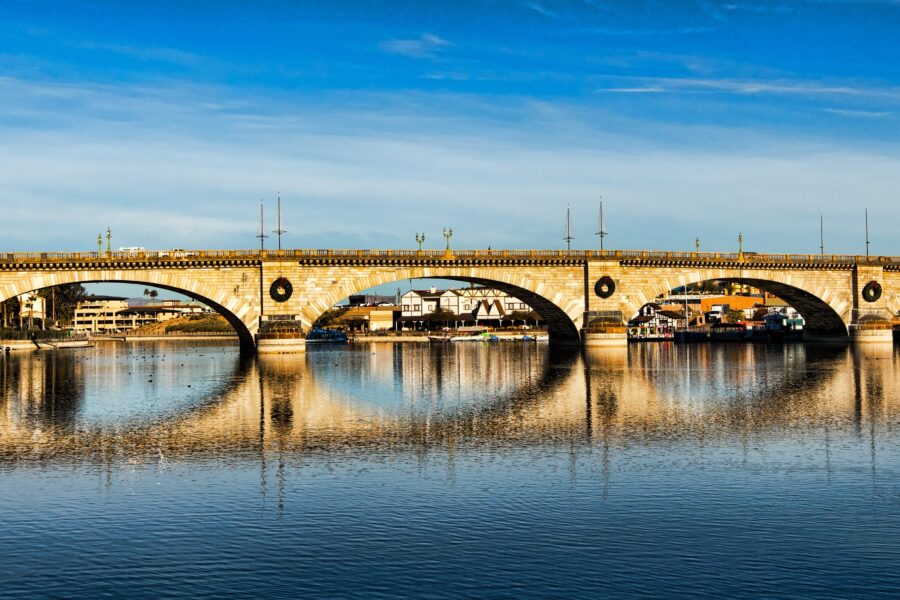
pixel 560 324
pixel 245 336
pixel 820 318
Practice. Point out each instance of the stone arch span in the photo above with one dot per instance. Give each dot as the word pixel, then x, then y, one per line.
pixel 237 312
pixel 562 311
pixel 822 300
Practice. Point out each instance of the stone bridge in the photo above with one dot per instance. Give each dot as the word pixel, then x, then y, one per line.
pixel 253 288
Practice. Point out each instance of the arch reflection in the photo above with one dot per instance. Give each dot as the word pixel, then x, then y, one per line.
pixel 417 396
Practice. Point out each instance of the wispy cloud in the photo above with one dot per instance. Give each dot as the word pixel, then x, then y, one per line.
pixel 541 9
pixel 753 87
pixel 650 31
pixel 426 46
pixel 169 55
pixel 862 114
pixel 167 162
pixel 634 90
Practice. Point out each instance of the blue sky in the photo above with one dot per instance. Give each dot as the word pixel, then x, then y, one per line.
pixel 168 121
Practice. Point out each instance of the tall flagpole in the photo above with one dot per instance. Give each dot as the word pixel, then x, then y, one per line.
pixel 568 238
pixel 867 233
pixel 279 230
pixel 601 230
pixel 262 234
pixel 821 236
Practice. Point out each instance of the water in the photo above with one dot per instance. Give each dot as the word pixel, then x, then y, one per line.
pixel 502 471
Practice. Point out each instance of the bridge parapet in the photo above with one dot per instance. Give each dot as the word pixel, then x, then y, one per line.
pixel 163 257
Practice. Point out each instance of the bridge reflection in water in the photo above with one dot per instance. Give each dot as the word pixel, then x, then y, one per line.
pixel 176 401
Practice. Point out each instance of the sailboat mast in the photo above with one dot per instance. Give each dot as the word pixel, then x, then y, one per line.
pixel 568 238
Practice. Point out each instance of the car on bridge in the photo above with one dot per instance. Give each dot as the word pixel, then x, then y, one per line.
pixel 176 253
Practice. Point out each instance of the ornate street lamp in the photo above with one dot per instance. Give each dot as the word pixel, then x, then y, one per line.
pixel 448 233
pixel 108 240
pixel 740 247
pixel 99 245
pixel 420 237
pixel 697 244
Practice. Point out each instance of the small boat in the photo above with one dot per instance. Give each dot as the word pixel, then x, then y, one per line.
pixel 484 336
pixel 438 338
pixel 326 336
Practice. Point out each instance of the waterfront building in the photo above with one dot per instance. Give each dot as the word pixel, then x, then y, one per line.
pixel 655 322
pixel 469 305
pixel 370 318
pixel 32 307
pixel 371 300
pixel 114 314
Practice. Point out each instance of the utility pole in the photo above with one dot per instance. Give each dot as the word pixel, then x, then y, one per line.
pixel 262 232
pixel 568 237
pixel 279 230
pixel 601 230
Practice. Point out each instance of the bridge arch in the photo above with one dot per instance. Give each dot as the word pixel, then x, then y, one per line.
pixel 238 314
pixel 562 312
pixel 825 310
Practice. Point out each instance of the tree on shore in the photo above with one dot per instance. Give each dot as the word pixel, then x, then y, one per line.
pixel 734 316
pixel 59 304
pixel 440 317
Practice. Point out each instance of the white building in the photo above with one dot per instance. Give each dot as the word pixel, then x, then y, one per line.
pixel 112 314
pixel 470 304
pixel 32 306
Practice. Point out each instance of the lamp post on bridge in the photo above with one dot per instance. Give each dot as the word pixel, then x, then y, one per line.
pixel 420 237
pixel 99 245
pixel 697 244
pixel 108 242
pixel 448 233
pixel 741 247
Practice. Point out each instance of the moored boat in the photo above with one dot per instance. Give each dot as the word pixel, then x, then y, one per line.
pixel 326 336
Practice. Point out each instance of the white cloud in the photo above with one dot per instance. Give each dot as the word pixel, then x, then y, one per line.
pixel 425 46
pixel 633 90
pixel 168 171
pixel 540 9
pixel 787 87
pixel 862 114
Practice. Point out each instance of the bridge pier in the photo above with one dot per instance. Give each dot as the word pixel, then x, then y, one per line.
pixel 872 336
pixel 283 335
pixel 605 340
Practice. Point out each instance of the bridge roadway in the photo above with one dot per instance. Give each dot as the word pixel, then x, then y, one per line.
pixel 584 295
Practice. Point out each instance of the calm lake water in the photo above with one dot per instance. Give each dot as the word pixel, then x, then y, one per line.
pixel 491 471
